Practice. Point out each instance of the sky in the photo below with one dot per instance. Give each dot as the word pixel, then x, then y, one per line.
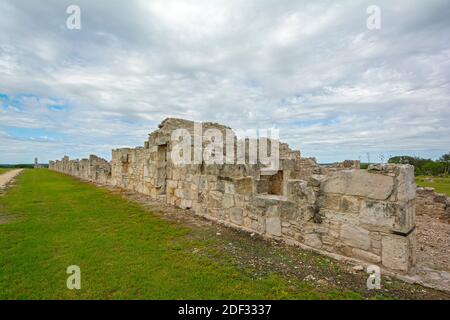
pixel 334 88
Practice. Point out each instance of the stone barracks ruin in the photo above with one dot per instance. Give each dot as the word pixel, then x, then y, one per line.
pixel 339 210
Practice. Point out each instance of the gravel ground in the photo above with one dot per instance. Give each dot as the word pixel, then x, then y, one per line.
pixel 433 243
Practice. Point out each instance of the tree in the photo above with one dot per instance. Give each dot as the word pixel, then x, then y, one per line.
pixel 445 158
pixel 425 166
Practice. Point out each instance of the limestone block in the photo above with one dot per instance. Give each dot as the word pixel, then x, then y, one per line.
pixel 176 174
pixel 262 186
pixel 244 186
pixel 378 216
pixel 406 185
pixel 359 183
pixel 194 187
pixel 328 240
pixel 231 170
pixel 212 169
pixel 405 217
pixel 265 201
pixel 330 202
pixel 350 204
pixel 315 180
pixel 214 199
pixel 294 188
pixel 366 255
pixel 355 236
pixel 236 215
pixel 272 211
pixel 247 222
pixel 287 232
pixel 387 216
pixel 185 204
pixel 239 201
pixel 220 185
pixel 211 178
pixel 338 217
pixel 172 184
pixel 199 209
pixel 273 221
pixel 189 194
pixel 212 212
pixel 298 190
pixel 261 224
pixel 375 240
pixel 203 183
pixel 273 226
pixel 397 251
pixel 289 211
pixel 312 240
pixel 227 201
pixel 390 169
pixel 229 188
pixel 179 193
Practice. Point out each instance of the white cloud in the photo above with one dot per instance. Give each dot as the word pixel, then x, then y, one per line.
pixel 334 88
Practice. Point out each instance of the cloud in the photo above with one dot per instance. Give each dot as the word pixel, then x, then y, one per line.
pixel 335 89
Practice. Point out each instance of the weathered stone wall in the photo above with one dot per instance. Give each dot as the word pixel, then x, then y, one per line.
pixel 433 204
pixel 94 169
pixel 364 214
pixel 371 215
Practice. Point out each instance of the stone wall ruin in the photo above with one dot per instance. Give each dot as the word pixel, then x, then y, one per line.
pixel 364 214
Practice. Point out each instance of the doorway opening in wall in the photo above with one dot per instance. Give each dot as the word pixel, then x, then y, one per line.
pixel 276 184
pixel 161 168
pixel 162 153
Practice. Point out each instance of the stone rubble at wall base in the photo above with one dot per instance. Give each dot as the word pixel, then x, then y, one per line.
pixel 340 209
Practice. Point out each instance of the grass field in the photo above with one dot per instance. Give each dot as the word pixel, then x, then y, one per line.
pixel 49 221
pixel 123 251
pixel 441 185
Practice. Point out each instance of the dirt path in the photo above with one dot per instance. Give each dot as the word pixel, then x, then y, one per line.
pixel 433 252
pixel 433 237
pixel 5 179
pixel 8 176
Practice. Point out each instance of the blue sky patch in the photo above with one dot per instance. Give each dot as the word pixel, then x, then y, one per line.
pixel 32 133
pixel 19 101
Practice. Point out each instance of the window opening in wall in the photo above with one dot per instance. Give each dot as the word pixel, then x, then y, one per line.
pixel 276 183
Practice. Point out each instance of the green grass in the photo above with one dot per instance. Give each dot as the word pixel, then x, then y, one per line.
pixel 441 185
pixel 124 252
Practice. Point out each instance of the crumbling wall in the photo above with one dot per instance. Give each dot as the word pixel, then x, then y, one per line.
pixel 431 203
pixel 370 214
pixel 129 169
pixel 94 169
pixel 364 214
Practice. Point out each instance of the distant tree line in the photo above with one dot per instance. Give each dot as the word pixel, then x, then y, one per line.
pixel 21 166
pixel 426 167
